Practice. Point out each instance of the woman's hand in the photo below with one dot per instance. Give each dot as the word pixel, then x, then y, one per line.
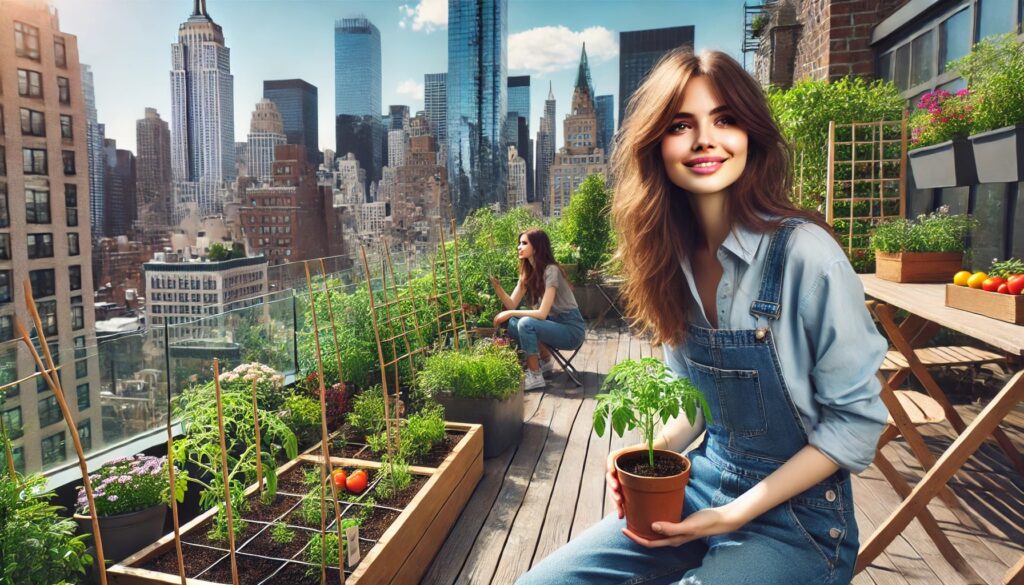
pixel 612 479
pixel 707 522
pixel 501 318
pixel 495 284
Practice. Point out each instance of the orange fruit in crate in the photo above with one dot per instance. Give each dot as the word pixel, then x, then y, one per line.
pixel 977 279
pixel 961 278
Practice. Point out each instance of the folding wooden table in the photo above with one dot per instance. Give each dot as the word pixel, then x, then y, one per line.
pixel 926 305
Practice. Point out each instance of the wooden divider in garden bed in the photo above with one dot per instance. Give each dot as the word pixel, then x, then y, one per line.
pixel 400 555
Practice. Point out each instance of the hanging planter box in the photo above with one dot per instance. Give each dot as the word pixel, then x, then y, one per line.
pixel 947 164
pixel 1008 308
pixel 917 266
pixel 410 536
pixel 999 155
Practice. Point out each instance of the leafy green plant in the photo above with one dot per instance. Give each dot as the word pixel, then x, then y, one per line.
pixel 1006 268
pixel 643 394
pixel 994 71
pixel 354 327
pixel 394 477
pixel 131 484
pixel 420 432
pixel 219 531
pixel 586 225
pixel 269 383
pixel 302 415
pixel 367 415
pixel 936 232
pixel 486 371
pixel 37 545
pixel 758 23
pixel 326 551
pixel 281 534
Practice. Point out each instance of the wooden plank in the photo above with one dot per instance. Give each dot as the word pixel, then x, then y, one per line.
pixel 591 501
pixel 882 571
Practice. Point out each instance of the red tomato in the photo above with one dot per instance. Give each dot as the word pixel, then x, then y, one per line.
pixel 356 482
pixel 1016 284
pixel 339 478
pixel 1003 289
pixel 992 284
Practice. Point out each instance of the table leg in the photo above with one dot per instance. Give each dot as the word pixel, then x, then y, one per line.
pixel 947 465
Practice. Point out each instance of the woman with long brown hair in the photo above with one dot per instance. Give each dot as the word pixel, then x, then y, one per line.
pixel 555 319
pixel 757 305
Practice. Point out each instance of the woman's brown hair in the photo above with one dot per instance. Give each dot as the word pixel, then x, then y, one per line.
pixel 532 274
pixel 655 224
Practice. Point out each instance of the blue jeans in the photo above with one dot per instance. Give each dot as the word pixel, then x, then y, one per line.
pixel 563 331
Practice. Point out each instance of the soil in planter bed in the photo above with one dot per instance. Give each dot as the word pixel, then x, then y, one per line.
pixel 251 570
pixel 264 544
pixel 663 466
pixel 293 481
pixel 196 559
pixel 197 535
pixel 346 444
pixel 294 518
pixel 378 522
pixel 295 574
pixel 440 450
pixel 268 513
pixel 402 498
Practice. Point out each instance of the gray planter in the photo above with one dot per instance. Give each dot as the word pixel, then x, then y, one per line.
pixel 999 155
pixel 125 533
pixel 947 164
pixel 502 419
pixel 591 302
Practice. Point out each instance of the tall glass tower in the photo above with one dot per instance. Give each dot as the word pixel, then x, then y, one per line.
pixel 435 102
pixel 477 103
pixel 296 100
pixel 605 122
pixel 639 51
pixel 357 80
pixel 519 107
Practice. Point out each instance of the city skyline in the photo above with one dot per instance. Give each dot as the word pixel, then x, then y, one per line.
pixel 130 62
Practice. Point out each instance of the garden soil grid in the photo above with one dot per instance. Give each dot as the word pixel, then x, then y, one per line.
pixel 397 543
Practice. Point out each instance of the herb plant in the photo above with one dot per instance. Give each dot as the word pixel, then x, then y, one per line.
pixel 394 477
pixel 367 415
pixel 131 484
pixel 328 554
pixel 420 432
pixel 281 534
pixel 486 371
pixel 1006 268
pixel 302 415
pixel 936 232
pixel 643 394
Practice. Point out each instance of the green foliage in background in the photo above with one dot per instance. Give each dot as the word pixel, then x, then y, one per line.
pixel 486 371
pixel 586 225
pixel 994 71
pixel 936 232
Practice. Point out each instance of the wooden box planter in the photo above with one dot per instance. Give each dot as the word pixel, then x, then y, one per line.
pixel 502 420
pixel 998 306
pixel 999 155
pixel 947 164
pixel 401 554
pixel 918 266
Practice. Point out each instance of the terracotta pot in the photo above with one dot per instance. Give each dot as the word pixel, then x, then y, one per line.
pixel 652 499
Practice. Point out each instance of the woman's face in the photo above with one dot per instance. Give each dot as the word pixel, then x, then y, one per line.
pixel 525 248
pixel 704 150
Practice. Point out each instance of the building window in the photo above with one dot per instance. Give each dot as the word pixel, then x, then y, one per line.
pixel 3 154
pixel 60 52
pixel 5 286
pixel 65 127
pixel 64 90
pixel 82 391
pixel 5 216
pixel 30 83
pixel 9 369
pixel 80 347
pixel 954 38
pixel 73 249
pixel 75 277
pixel 6 334
pixel 26 41
pixel 5 246
pixel 48 315
pixel 33 161
pixel 19 459
pixel 40 246
pixel 49 411
pixel 33 123
pixel 71 204
pixel 921 55
pixel 53 448
pixel 42 283
pixel 77 317
pixel 81 368
pixel 37 205
pixel 68 156
pixel 995 17
pixel 13 423
pixel 85 434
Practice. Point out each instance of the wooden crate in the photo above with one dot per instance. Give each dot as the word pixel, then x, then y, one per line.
pixel 403 553
pixel 998 306
pixel 918 267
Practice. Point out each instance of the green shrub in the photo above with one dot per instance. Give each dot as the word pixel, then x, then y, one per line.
pixel 586 225
pixel 486 371
pixel 302 415
pixel 420 432
pixel 936 232
pixel 994 71
pixel 354 327
pixel 329 555
pixel 281 534
pixel 367 414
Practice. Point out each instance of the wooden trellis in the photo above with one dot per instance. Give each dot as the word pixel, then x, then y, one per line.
pixel 866 181
pixel 446 296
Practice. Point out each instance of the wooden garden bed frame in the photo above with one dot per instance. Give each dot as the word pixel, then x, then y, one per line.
pixel 402 553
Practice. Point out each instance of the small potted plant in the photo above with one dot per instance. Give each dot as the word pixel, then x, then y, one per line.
pixel 941 155
pixel 481 385
pixel 644 394
pixel 757 24
pixel 131 496
pixel 929 249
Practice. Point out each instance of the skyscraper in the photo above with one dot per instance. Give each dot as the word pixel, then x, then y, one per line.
pixel 399 118
pixel 297 102
pixel 639 50
pixel 202 110
pixel 153 169
pixel 266 131
pixel 519 105
pixel 357 80
pixel 120 179
pixel 360 137
pixel 94 136
pixel 546 148
pixel 605 122
pixel 435 102
pixel 477 103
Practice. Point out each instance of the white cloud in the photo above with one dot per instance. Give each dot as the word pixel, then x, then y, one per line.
pixel 553 48
pixel 410 88
pixel 427 15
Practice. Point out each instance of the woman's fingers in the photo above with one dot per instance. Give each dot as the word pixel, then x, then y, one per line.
pixel 659 543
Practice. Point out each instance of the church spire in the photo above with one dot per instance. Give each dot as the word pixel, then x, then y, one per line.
pixel 583 74
pixel 551 92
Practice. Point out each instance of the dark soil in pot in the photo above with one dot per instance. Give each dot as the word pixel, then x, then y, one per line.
pixel 197 558
pixel 663 466
pixel 266 546
pixel 251 570
pixel 268 513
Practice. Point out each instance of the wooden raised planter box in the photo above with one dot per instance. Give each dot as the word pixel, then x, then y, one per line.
pixel 998 306
pixel 919 267
pixel 401 554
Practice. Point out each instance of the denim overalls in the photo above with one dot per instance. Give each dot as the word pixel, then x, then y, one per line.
pixel 810 539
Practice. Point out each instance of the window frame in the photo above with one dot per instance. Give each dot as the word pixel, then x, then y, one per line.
pixel 26 88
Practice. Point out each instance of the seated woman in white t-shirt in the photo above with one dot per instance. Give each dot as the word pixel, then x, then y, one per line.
pixel 555 319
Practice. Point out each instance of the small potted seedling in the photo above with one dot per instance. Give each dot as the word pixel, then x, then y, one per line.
pixel 643 394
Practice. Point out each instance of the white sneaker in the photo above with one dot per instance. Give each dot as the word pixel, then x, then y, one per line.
pixel 534 380
pixel 547 366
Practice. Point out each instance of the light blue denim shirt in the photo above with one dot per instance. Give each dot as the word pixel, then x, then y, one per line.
pixel 827 343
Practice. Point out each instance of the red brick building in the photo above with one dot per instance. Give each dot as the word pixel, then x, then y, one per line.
pixel 117 266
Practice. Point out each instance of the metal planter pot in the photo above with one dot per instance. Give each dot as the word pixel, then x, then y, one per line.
pixel 947 164
pixel 502 419
pixel 126 533
pixel 999 154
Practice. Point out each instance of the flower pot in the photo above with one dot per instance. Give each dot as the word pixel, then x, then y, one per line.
pixel 126 533
pixel 947 164
pixel 918 266
pixel 502 419
pixel 651 499
pixel 999 155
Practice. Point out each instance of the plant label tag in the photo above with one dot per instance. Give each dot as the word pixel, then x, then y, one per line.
pixel 352 537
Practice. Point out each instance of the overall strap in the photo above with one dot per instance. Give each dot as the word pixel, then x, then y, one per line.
pixel 767 302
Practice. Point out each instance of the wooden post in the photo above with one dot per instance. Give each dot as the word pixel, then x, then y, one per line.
pixel 259 442
pixel 174 500
pixel 224 472
pixel 54 383
pixel 830 173
pixel 330 313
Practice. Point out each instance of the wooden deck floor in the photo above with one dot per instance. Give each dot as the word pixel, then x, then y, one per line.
pixel 534 498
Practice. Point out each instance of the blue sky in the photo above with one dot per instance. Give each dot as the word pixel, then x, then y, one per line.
pixel 127 43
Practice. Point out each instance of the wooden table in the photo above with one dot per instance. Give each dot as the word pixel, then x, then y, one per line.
pixel 926 305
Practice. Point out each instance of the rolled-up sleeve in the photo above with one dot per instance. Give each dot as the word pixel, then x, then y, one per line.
pixel 847 351
pixel 674 361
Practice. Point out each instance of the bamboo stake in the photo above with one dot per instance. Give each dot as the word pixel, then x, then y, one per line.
pixel 448 293
pixel 7 444
pixel 380 354
pixel 334 328
pixel 174 500
pixel 325 451
pixel 54 383
pixel 458 277
pixel 259 442
pixel 394 352
pixel 224 472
